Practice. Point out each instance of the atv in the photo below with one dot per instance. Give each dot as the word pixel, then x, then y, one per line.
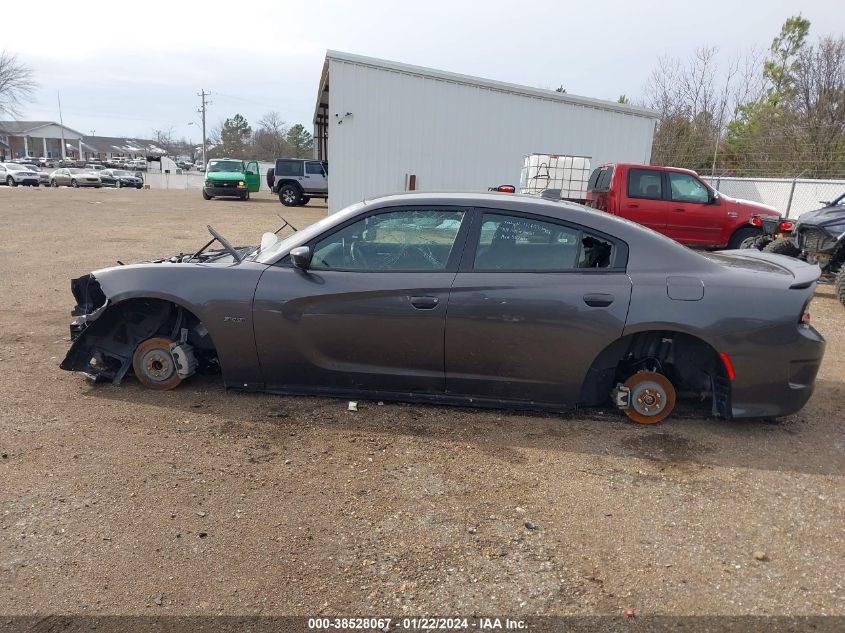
pixel 819 238
pixel 773 229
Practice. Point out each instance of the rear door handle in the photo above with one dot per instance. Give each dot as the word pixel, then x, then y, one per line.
pixel 680 209
pixel 633 206
pixel 425 303
pixel 598 300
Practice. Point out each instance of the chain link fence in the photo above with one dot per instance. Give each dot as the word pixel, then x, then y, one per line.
pixel 790 196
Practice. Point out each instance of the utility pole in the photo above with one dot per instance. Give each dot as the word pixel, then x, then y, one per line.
pixel 202 95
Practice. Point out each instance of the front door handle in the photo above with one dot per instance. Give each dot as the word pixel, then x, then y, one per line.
pixel 598 300
pixel 425 303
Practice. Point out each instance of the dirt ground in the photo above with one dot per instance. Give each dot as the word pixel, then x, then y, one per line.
pixel 115 500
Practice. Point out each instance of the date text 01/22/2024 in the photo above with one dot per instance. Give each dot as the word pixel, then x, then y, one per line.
pixel 416 623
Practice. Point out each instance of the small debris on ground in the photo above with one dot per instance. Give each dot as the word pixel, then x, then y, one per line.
pixel 760 555
pixel 353 406
pixel 530 525
pixel 201 513
pixel 203 534
pixel 628 613
pixel 159 599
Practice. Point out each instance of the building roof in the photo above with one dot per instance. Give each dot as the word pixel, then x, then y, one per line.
pixel 501 86
pixel 122 144
pixel 18 128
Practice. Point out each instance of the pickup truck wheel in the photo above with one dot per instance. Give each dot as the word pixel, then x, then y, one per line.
pixel 290 195
pixel 840 285
pixel 741 235
pixel 205 195
pixel 305 200
pixel 245 196
pixel 783 246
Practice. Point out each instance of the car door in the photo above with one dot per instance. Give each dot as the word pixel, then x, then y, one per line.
pixel 61 177
pixel 2 174
pixel 369 313
pixel 644 201
pixel 694 220
pixel 534 303
pixel 252 176
pixel 315 177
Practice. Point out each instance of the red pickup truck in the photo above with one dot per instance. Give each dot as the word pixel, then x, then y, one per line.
pixel 675 202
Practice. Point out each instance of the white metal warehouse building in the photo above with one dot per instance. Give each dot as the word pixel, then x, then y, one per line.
pixel 379 122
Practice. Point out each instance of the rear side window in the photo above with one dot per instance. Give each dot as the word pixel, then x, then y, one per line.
pixel 600 179
pixel 514 243
pixel 288 168
pixel 645 183
pixel 314 168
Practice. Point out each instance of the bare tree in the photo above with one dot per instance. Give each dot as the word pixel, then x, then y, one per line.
pixel 818 107
pixel 16 84
pixel 269 140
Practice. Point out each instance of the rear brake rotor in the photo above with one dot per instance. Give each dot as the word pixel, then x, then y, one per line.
pixel 652 397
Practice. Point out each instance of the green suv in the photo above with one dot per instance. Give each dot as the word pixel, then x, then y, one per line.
pixel 230 178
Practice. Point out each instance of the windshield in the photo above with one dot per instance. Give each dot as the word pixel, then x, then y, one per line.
pixel 225 165
pixel 266 255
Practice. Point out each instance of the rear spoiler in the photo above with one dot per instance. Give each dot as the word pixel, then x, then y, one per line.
pixel 804 274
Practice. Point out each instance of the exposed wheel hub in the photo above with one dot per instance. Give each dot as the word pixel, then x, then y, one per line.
pixel 158 364
pixel 650 397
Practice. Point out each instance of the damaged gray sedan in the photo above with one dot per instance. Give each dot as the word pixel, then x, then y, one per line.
pixel 470 299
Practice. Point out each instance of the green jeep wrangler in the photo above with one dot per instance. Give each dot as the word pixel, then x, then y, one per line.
pixel 230 178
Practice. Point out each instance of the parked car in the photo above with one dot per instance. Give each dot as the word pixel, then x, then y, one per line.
pixel 472 299
pixel 819 238
pixel 14 174
pixel 675 202
pixel 43 176
pixel 298 180
pixel 120 178
pixel 230 178
pixel 137 164
pixel 94 166
pixel 75 177
pixel 47 162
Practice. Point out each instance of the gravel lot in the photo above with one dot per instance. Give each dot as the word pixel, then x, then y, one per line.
pixel 115 499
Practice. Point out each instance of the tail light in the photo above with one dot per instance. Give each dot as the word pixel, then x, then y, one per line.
pixel 728 366
pixel 805 313
pixel 786 225
pixel 506 189
pixel 756 221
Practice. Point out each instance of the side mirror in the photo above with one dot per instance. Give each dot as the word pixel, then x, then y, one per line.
pixel 300 257
pixel 714 198
pixel 250 173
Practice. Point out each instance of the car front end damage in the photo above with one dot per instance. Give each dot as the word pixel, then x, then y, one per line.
pixel 105 335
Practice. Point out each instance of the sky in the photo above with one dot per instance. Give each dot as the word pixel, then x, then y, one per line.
pixel 139 67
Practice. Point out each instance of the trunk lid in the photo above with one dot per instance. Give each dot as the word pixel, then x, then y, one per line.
pixel 803 274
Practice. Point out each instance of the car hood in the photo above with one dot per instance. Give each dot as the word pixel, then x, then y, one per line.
pixel 757 207
pixel 822 217
pixel 224 175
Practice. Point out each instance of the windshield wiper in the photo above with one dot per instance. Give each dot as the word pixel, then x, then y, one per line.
pixel 218 238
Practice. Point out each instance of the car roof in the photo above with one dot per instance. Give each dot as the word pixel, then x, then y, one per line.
pixel 651 249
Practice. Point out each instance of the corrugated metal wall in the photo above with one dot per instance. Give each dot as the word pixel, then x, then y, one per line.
pixel 455 136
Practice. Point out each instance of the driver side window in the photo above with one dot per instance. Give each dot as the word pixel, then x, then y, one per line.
pixel 406 240
pixel 685 188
